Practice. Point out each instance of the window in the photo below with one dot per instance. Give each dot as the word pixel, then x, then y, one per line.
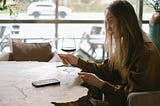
pixel 38 21
pixel 146 16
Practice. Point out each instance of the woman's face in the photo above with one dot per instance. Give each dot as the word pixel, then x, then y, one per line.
pixel 111 24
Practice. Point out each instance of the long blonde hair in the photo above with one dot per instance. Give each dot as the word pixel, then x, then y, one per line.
pixel 130 37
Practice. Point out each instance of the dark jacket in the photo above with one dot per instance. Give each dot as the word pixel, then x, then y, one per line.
pixel 142 75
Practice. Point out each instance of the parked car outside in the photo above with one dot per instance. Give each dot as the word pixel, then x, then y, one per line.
pixel 37 9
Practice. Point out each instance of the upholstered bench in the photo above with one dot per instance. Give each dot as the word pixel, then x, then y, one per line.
pixel 41 52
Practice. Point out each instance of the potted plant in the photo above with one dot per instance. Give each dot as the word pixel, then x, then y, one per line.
pixel 14 7
pixel 4 6
pixel 154 23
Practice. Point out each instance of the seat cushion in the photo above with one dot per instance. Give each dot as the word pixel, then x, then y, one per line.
pixel 150 98
pixel 31 51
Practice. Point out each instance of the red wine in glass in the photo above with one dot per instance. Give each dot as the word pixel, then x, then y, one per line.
pixel 68 46
pixel 68 49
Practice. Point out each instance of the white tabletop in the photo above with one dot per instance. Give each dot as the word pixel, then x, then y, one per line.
pixel 16 84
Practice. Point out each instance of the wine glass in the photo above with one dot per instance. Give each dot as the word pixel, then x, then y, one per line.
pixel 69 46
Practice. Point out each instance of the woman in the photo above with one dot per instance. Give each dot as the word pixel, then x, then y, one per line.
pixel 133 63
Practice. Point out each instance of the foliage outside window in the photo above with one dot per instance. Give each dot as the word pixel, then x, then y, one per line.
pixel 13 6
pixel 154 4
pixel 20 6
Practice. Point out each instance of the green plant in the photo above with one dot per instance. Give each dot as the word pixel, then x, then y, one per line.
pixel 14 6
pixel 153 3
pixel 4 6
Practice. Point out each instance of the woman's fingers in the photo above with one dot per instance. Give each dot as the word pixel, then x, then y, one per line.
pixel 91 79
pixel 63 58
pixel 84 75
pixel 68 59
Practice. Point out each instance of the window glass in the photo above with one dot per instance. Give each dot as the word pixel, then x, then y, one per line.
pixel 45 9
pixel 147 11
pixel 36 21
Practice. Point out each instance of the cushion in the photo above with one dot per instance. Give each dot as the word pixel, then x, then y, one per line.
pixel 4 57
pixel 149 98
pixel 31 51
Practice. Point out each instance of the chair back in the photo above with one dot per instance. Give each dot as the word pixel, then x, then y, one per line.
pixel 96 30
pixel 149 98
pixel 2 30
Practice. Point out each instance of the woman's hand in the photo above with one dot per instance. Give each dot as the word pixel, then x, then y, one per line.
pixel 91 79
pixel 68 59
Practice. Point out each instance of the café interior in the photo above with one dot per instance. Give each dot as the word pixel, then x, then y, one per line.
pixel 33 32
